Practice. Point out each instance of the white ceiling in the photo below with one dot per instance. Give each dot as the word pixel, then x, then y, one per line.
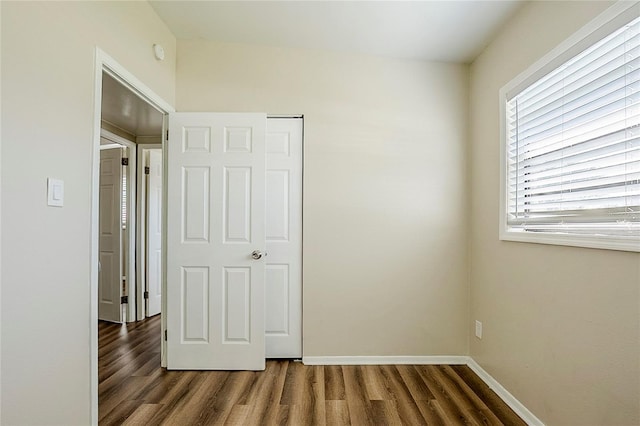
pixel 126 110
pixel 448 31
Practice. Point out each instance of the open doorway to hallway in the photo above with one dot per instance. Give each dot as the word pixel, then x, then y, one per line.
pixel 124 106
pixel 130 210
pixel 130 220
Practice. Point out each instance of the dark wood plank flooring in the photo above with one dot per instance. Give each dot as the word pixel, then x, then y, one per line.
pixel 134 389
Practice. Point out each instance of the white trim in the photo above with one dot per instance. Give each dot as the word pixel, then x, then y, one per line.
pixel 165 203
pixel 285 116
pixel 384 360
pixel 105 63
pixel 118 72
pixel 588 34
pixel 1 321
pixel 119 140
pixel 608 243
pixel 110 146
pixel 141 248
pixel 504 394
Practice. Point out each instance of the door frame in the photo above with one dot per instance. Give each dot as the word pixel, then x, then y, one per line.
pixel 131 280
pixel 141 214
pixel 105 63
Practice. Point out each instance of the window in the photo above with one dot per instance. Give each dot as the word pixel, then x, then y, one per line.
pixel 571 143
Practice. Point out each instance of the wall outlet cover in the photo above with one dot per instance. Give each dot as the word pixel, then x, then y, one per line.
pixel 478 329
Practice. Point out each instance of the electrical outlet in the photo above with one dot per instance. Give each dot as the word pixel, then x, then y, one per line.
pixel 478 329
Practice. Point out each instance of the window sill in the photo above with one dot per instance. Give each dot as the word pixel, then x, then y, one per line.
pixel 605 243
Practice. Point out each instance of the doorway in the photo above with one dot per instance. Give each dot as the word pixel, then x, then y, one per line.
pixel 131 113
pixel 277 143
pixel 131 137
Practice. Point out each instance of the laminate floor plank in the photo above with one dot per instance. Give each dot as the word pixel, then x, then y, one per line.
pixel 465 405
pixel 134 390
pixel 432 412
pixel 337 412
pixel 360 409
pixel 266 405
pixel 238 415
pixel 407 408
pixel 415 384
pixel 200 405
pixel 294 380
pixel 122 393
pixel 374 384
pixel 386 412
pixel 488 396
pixel 142 415
pixel 309 406
pixel 333 383
pixel 453 415
pixel 476 402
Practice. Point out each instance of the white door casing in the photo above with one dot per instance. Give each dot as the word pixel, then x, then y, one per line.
pixel 215 220
pixel 110 236
pixel 154 232
pixel 283 279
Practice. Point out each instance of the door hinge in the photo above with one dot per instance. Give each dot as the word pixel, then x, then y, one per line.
pixel 146 170
pixel 146 294
pixel 125 161
pixel 124 299
pixel 167 138
pixel 165 335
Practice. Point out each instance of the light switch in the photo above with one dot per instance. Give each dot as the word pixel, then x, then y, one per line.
pixel 55 192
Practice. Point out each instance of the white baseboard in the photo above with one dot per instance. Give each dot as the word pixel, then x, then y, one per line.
pixel 504 394
pixel 383 360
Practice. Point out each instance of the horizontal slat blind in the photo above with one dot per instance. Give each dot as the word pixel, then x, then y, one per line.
pixel 573 144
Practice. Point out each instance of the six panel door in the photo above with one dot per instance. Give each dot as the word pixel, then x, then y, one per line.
pixel 215 241
pixel 110 236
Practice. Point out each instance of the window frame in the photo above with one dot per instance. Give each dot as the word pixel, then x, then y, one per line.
pixel 611 19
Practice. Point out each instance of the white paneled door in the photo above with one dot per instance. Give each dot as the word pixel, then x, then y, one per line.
pixel 283 320
pixel 216 241
pixel 154 233
pixel 110 238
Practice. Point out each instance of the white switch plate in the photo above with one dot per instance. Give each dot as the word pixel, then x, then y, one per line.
pixel 55 192
pixel 478 329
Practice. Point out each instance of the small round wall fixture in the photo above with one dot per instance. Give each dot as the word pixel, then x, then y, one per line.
pixel 158 51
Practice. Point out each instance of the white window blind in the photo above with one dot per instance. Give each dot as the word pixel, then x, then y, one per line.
pixel 123 201
pixel 573 144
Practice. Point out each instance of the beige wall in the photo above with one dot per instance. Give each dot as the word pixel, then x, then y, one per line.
pixel 561 324
pixel 385 266
pixel 47 74
pixel 385 238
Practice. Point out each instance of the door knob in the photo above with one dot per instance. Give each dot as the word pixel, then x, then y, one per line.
pixel 257 254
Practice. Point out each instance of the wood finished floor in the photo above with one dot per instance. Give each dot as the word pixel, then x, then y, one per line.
pixel 134 389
